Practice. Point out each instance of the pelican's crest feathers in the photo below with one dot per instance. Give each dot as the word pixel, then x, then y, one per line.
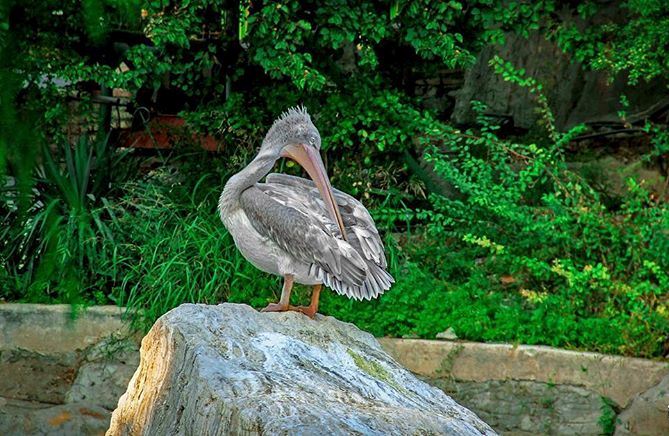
pixel 297 113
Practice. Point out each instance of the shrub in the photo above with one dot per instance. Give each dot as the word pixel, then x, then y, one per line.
pixel 563 267
pixel 58 233
pixel 510 244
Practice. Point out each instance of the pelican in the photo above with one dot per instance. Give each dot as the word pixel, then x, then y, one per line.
pixel 300 229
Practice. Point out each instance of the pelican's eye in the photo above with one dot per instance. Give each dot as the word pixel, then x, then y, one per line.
pixel 312 141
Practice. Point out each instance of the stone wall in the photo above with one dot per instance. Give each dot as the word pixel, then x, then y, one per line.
pixel 62 373
pixel 524 389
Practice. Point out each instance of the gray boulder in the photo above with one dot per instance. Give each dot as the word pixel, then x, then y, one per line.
pixel 228 369
pixel 575 95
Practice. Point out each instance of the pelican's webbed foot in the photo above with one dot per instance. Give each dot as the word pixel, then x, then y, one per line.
pixel 284 306
pixel 276 307
pixel 312 308
pixel 307 310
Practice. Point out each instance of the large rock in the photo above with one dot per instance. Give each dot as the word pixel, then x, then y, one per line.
pixel 542 60
pixel 228 369
pixel 575 95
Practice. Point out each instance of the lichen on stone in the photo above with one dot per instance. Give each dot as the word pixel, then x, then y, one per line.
pixel 374 369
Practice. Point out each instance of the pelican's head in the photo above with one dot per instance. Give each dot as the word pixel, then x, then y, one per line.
pixel 293 127
pixel 295 137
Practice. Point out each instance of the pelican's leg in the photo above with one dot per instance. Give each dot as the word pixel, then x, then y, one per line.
pixel 312 308
pixel 284 302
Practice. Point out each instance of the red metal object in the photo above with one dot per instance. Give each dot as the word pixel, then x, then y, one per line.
pixel 163 132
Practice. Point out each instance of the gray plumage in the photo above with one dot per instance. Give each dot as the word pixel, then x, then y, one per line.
pixel 283 226
pixel 302 195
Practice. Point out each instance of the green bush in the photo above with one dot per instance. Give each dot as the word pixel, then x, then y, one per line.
pixel 540 258
pixel 631 39
pixel 501 242
pixel 55 232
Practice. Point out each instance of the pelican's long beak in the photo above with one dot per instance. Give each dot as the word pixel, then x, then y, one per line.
pixel 310 159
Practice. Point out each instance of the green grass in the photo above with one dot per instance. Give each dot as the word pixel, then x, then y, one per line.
pixel 177 251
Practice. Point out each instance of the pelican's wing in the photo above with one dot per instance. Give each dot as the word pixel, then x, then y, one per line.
pixel 307 238
pixel 361 231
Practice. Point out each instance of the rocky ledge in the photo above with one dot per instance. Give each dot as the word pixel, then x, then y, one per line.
pixel 228 369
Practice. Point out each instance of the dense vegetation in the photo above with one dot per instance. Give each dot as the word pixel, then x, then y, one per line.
pixel 497 237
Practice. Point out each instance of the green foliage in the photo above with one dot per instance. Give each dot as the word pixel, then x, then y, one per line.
pixel 47 245
pixel 633 40
pixel 529 252
pixel 502 242
pixel 607 420
pixel 174 249
pixel 580 273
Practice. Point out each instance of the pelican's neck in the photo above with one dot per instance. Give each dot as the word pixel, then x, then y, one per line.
pixel 258 168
